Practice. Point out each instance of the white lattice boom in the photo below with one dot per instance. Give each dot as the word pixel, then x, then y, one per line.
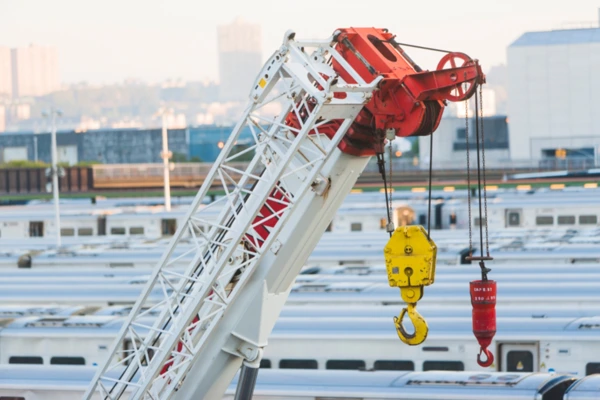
pixel 220 311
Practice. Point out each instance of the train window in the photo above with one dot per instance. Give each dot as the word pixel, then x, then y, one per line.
pixel 36 229
pixel 136 230
pixel 25 360
pixel 67 231
pixel 478 220
pixel 566 220
pixel 169 226
pixel 453 219
pixel 435 348
pixel 514 219
pixel 101 226
pixel 12 398
pixel 519 361
pixel 356 227
pixel 392 365
pixel 588 219
pixel 117 230
pixel 544 220
pixel 85 232
pixel 345 364
pixel 443 366
pixel 67 360
pixel 265 363
pixel 298 364
pixel 592 368
pixel 422 219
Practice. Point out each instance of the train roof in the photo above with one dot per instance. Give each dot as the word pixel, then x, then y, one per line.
pixel 443 328
pixel 324 384
pixel 405 385
pixel 587 388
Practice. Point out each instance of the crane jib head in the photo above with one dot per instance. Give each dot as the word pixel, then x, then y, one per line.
pixel 408 100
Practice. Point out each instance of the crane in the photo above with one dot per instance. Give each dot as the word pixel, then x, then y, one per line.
pixel 339 98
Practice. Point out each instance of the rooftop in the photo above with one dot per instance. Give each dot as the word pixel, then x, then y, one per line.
pixel 558 37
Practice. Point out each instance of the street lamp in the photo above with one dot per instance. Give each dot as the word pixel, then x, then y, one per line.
pixel 166 155
pixel 53 114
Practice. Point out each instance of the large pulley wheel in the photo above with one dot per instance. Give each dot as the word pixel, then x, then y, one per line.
pixel 466 89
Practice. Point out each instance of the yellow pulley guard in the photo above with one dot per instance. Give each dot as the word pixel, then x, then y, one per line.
pixel 410 263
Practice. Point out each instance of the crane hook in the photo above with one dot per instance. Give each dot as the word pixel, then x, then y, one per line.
pixel 419 323
pixel 488 355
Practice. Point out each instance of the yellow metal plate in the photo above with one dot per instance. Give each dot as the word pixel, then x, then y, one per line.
pixel 410 257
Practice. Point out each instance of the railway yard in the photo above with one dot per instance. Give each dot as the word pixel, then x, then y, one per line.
pixel 60 309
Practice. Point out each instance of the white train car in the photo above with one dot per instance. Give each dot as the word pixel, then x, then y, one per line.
pixel 536 212
pixel 350 385
pixel 28 224
pixel 563 345
pixel 76 340
pixel 587 388
pixel 34 382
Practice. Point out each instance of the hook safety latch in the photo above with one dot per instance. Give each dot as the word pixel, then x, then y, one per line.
pixel 419 324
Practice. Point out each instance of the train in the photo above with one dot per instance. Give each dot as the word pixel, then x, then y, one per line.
pixel 360 212
pixel 69 383
pixel 337 293
pixel 558 344
pixel 511 246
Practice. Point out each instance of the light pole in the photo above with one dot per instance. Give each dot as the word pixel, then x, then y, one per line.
pixel 53 113
pixel 166 155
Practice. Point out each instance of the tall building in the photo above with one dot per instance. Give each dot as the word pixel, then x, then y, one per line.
pixel 554 95
pixel 5 73
pixel 240 59
pixel 2 118
pixel 34 71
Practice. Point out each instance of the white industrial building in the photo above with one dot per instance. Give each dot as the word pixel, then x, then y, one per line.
pixel 554 96
pixel 450 141
pixel 450 144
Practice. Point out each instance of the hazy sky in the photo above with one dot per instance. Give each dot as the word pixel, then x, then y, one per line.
pixel 111 40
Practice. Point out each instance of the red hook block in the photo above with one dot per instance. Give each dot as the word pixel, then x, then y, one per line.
pixel 483 300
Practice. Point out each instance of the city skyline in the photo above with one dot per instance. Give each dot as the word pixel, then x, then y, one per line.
pixel 154 41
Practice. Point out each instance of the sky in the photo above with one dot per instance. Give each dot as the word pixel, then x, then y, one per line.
pixel 109 41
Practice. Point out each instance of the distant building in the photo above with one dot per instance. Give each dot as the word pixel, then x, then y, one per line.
pixel 206 142
pixel 2 118
pixel 240 59
pixel 450 143
pixel 34 71
pixel 554 96
pixel 5 73
pixel 110 146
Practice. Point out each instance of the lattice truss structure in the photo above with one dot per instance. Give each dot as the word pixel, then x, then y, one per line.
pixel 153 353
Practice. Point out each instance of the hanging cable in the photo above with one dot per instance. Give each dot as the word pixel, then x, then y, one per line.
pixel 468 176
pixel 430 176
pixel 391 227
pixel 381 166
pixel 487 240
pixel 483 292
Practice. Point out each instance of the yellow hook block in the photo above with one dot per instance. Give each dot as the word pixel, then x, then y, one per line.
pixel 410 263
